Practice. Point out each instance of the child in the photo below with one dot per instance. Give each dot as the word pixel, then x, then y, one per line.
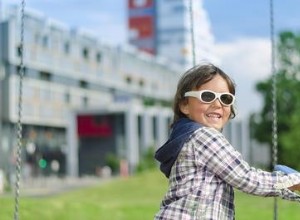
pixel 202 166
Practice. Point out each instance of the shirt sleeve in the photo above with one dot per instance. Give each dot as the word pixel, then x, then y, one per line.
pixel 219 157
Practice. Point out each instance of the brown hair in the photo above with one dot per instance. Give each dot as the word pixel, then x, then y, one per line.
pixel 193 79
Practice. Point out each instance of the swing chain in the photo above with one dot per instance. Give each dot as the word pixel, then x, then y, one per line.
pixel 192 32
pixel 274 88
pixel 19 122
pixel 274 103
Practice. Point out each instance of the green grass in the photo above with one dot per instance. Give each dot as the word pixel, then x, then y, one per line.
pixel 137 197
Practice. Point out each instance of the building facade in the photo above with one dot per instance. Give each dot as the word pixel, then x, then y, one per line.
pixel 79 92
pixel 67 70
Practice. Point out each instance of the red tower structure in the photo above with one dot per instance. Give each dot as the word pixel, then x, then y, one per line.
pixel 141 24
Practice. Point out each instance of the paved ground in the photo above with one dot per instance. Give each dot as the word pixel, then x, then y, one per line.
pixel 48 186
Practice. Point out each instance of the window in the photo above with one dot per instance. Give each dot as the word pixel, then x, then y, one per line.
pixel 85 101
pixel 19 51
pixel 85 53
pixel 67 48
pixel 45 76
pixel 83 84
pixel 67 97
pixel 128 80
pixel 45 41
pixel 141 83
pixel 98 57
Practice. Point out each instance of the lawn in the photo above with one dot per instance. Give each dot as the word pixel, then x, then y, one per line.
pixel 137 198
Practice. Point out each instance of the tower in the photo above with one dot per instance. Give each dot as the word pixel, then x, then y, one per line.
pixel 164 28
pixel 141 24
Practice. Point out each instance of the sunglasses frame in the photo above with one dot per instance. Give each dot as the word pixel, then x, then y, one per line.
pixel 198 95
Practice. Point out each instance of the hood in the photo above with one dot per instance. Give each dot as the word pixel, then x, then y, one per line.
pixel 167 154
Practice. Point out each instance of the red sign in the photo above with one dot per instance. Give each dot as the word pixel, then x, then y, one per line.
pixel 143 26
pixel 94 126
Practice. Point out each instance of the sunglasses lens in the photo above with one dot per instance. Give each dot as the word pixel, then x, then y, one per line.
pixel 208 97
pixel 227 99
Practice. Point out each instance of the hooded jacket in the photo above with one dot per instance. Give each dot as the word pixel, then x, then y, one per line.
pixel 167 154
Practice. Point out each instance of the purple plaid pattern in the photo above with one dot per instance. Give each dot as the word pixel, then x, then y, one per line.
pixel 203 177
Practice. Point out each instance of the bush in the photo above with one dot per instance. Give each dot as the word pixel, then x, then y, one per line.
pixel 113 162
pixel 147 161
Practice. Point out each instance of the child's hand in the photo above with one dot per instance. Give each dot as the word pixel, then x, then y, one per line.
pixel 295 187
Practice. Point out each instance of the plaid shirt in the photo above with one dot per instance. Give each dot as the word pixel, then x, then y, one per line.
pixel 202 180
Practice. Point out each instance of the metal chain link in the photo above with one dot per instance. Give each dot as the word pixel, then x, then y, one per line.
pixel 19 122
pixel 274 101
pixel 274 87
pixel 192 32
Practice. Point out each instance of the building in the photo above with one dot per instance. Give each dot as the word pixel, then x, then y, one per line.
pixel 124 130
pixel 164 28
pixel 68 71
pixel 76 90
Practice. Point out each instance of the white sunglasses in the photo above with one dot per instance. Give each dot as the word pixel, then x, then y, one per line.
pixel 207 96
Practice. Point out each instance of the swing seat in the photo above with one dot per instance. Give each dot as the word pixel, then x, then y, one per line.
pixel 285 169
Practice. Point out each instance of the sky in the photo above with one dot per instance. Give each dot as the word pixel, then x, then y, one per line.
pixel 241 32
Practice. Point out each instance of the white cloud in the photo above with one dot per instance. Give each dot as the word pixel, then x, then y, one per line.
pixel 247 61
pixel 247 57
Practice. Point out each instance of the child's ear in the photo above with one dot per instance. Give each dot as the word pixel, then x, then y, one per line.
pixel 184 108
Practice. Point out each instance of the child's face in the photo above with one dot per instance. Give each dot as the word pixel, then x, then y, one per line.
pixel 212 114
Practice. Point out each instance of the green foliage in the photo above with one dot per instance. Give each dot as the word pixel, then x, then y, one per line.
pixel 151 102
pixel 7 185
pixel 288 103
pixel 113 162
pixel 147 162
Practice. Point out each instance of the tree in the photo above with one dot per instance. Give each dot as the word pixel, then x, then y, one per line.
pixel 288 103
